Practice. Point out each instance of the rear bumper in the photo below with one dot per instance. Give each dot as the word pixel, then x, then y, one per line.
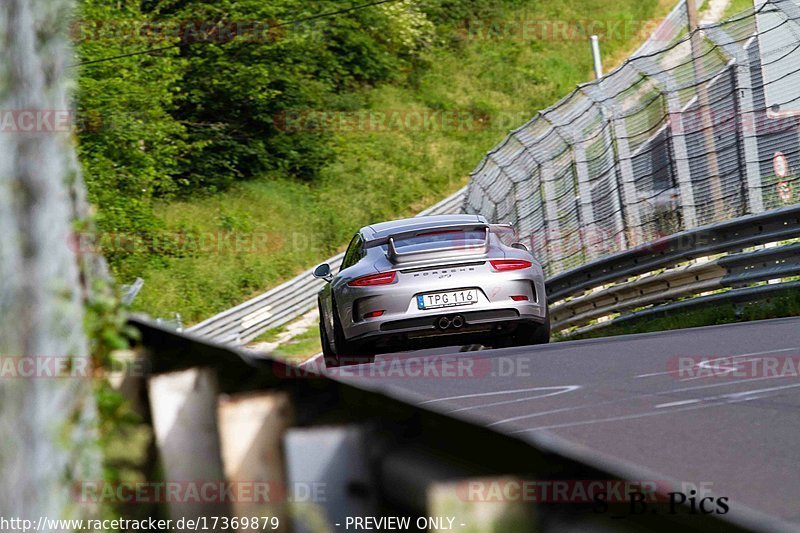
pixel 428 331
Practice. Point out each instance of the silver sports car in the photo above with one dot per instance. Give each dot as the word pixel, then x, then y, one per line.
pixel 431 281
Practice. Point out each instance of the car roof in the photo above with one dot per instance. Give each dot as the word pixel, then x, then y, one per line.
pixel 384 229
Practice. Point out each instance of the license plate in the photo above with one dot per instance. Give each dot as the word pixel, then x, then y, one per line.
pixel 437 300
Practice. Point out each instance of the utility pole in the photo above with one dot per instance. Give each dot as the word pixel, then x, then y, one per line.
pixel 709 141
pixel 598 62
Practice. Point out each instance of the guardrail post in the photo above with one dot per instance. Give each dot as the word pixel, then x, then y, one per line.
pixel 329 477
pixel 251 429
pixel 747 121
pixel 184 405
pixel 482 504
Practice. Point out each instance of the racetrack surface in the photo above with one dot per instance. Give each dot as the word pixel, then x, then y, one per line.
pixel 724 417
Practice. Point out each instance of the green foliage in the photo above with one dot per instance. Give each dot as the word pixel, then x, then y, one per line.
pixel 130 146
pixel 238 91
pixel 218 106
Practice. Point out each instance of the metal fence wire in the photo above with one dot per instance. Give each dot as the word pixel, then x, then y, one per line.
pixel 700 130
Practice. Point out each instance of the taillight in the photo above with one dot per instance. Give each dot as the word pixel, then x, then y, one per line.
pixel 504 265
pixel 384 278
pixel 374 314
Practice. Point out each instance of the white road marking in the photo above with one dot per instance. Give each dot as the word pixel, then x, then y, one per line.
pixel 619 418
pixel 675 404
pixel 652 374
pixel 559 390
pixel 737 397
pixel 621 400
pixel 569 388
pixel 720 368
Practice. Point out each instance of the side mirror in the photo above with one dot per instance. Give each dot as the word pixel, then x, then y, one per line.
pixel 323 271
pixel 520 246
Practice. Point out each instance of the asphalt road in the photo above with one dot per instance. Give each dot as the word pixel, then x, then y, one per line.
pixel 716 407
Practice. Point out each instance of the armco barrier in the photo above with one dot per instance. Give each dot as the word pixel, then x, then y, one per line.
pixel 410 448
pixel 646 276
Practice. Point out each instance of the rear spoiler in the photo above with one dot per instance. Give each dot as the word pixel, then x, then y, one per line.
pixel 451 251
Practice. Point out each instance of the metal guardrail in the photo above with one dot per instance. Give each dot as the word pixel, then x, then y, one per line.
pixel 241 324
pixel 728 236
pixel 646 276
pixel 413 447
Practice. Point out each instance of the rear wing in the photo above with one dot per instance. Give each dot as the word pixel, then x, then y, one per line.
pixel 455 250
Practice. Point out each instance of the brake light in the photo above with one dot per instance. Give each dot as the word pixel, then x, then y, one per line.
pixel 384 278
pixel 504 265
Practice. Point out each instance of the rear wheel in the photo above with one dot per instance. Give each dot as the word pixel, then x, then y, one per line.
pixel 327 352
pixel 345 352
pixel 530 333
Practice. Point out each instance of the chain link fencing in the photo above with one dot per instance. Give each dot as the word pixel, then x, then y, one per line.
pixel 701 130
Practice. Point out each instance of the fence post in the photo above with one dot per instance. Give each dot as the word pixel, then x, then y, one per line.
pixel 576 142
pixel 677 136
pixel 704 107
pixel 747 123
pixel 622 168
pixel 627 179
pixel 551 223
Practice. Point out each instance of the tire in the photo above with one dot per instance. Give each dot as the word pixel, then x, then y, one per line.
pixel 331 361
pixel 530 333
pixel 345 353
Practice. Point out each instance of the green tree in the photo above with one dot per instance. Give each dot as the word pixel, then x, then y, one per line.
pixel 130 145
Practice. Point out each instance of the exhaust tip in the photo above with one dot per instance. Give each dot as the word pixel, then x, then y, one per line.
pixel 458 321
pixel 443 323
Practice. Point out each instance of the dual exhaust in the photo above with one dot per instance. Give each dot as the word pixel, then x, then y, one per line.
pixel 445 322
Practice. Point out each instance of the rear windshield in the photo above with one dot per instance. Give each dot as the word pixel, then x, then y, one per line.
pixel 434 240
